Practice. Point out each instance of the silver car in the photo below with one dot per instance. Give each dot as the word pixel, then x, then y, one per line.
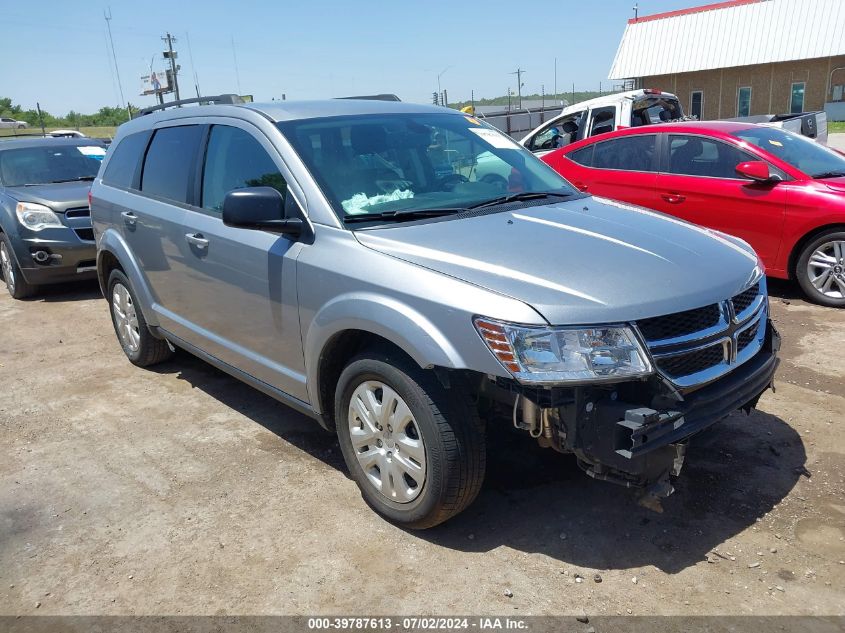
pixel 8 122
pixel 344 257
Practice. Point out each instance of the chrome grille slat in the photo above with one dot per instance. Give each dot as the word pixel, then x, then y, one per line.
pixel 731 332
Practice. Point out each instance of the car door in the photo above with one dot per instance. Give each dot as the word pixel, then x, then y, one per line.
pixel 559 132
pixel 698 183
pixel 622 168
pixel 239 288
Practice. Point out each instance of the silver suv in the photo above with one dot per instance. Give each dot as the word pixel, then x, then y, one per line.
pixel 344 257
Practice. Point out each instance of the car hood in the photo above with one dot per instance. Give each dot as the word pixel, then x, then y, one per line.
pixel 583 261
pixel 59 196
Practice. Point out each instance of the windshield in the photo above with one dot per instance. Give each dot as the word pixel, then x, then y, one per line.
pixel 49 163
pixel 407 163
pixel 802 153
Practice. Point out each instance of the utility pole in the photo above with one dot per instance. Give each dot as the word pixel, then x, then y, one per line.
pixel 107 17
pixel 636 11
pixel 518 72
pixel 174 68
pixel 555 77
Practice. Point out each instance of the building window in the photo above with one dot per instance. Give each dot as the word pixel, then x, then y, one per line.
pixel 796 101
pixel 743 106
pixel 697 104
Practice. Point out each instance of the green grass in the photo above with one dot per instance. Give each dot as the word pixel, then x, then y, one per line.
pixel 95 132
pixel 836 127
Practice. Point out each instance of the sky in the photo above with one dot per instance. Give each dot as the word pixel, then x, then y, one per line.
pixel 59 54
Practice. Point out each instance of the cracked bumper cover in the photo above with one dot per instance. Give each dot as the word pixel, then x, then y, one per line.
pixel 636 443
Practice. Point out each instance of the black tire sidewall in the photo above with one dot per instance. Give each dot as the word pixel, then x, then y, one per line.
pixel 23 289
pixel 428 502
pixel 801 270
pixel 116 277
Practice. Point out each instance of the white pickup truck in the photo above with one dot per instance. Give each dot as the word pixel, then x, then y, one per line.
pixel 645 107
pixel 604 114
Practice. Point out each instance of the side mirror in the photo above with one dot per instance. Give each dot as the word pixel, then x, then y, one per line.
pixel 756 170
pixel 259 208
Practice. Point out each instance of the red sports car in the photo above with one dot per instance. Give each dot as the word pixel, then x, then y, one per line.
pixel 782 193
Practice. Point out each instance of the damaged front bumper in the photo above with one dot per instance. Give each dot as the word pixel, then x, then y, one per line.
pixel 635 433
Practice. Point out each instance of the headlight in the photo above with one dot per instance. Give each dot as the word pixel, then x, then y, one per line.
pixel 555 354
pixel 36 216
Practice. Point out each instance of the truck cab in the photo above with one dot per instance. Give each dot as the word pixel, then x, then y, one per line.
pixel 604 114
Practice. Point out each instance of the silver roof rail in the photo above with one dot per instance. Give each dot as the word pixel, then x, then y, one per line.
pixel 227 99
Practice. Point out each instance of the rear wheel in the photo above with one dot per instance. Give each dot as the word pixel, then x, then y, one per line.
pixel 821 269
pixel 140 346
pixel 17 286
pixel 415 449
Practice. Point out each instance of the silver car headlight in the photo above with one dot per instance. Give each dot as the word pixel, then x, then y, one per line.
pixel 563 354
pixel 36 216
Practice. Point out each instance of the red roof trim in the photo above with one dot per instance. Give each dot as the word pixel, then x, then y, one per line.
pixel 706 7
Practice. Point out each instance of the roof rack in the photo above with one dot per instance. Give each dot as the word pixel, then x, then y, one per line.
pixel 227 99
pixel 381 97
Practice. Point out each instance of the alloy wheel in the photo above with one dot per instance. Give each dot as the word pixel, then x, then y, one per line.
pixel 8 268
pixel 387 441
pixel 826 269
pixel 125 318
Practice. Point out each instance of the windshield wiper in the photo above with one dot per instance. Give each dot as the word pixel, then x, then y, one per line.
pixel 77 179
pixel 399 216
pixel 829 174
pixel 517 197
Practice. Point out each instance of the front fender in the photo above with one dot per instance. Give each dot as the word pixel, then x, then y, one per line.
pixel 386 317
pixel 111 242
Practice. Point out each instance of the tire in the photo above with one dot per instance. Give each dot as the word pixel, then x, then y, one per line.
pixel 821 269
pixel 17 286
pixel 444 421
pixel 138 343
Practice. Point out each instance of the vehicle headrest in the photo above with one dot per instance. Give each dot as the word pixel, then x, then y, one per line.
pixel 368 139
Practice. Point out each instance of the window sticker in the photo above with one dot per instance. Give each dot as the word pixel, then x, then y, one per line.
pixel 92 151
pixel 775 143
pixel 495 139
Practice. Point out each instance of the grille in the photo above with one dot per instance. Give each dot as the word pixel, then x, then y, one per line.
pixel 745 299
pixel 85 234
pixel 680 323
pixel 692 362
pixel 78 212
pixel 746 337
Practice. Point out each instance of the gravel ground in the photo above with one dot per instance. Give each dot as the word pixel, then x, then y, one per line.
pixel 183 491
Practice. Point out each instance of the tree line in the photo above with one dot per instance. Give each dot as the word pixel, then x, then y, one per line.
pixel 105 116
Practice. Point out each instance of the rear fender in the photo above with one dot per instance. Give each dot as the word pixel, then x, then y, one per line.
pixel 112 242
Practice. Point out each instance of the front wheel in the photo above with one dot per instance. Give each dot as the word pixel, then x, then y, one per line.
pixel 17 286
pixel 415 448
pixel 821 269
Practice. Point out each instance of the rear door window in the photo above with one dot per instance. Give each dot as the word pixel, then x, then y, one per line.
pixel 169 165
pixel 125 161
pixel 234 160
pixel 699 156
pixel 630 153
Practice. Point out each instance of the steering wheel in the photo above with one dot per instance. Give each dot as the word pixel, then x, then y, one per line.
pixel 448 183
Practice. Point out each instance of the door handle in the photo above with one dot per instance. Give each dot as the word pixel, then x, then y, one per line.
pixel 196 239
pixel 673 198
pixel 129 217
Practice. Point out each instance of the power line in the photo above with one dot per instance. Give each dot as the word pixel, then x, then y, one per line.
pixel 193 66
pixel 108 19
pixel 237 74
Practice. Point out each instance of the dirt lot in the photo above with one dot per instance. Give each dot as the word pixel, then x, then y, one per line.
pixel 182 491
